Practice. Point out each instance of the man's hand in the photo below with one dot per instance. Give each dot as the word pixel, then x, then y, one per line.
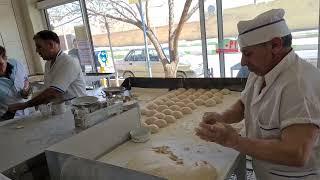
pixel 17 106
pixel 212 117
pixel 219 133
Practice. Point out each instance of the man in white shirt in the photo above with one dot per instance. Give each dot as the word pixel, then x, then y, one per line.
pixel 280 105
pixel 63 77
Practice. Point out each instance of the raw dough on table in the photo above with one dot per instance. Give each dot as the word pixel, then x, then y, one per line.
pixel 225 91
pixel 170 119
pixel 219 94
pixel 158 102
pixel 181 97
pixel 153 128
pixel 199 102
pixel 217 99
pixel 181 104
pixel 171 95
pixel 151 106
pixel 151 113
pixel 204 97
pixel 160 123
pixel 214 91
pixel 209 94
pixel 177 114
pixel 162 107
pixel 186 110
pixel 167 111
pixel 174 107
pixel 160 165
pixel 210 103
pixel 192 97
pixel 186 101
pixel 193 106
pixel 144 111
pixel 175 99
pixel 201 90
pixel 160 115
pixel 150 120
pixel 170 103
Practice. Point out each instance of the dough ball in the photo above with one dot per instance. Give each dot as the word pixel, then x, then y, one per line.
pixel 197 94
pixel 167 111
pixel 162 107
pixel 150 120
pixel 160 115
pixel 181 104
pixel 177 114
pixel 144 111
pixel 174 107
pixel 204 97
pixel 151 106
pixel 151 113
pixel 218 94
pixel 214 91
pixel 160 123
pixel 201 90
pixel 187 93
pixel 170 103
pixel 175 99
pixel 186 110
pixel 170 119
pixel 199 102
pixel 165 100
pixel 158 102
pixel 209 94
pixel 186 101
pixel 153 128
pixel 171 95
pixel 210 103
pixel 225 91
pixel 181 90
pixel 181 97
pixel 217 99
pixel 191 90
pixel 192 106
pixel 192 97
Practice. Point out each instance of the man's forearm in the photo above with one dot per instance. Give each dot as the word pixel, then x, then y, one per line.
pixel 272 150
pixel 234 114
pixel 43 98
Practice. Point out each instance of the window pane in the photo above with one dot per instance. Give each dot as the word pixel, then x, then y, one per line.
pixel 126 34
pixel 66 20
pixel 301 17
pixel 212 38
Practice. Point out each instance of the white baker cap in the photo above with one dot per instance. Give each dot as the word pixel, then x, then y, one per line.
pixel 262 28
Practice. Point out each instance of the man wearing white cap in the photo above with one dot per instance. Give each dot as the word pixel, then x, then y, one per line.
pixel 280 104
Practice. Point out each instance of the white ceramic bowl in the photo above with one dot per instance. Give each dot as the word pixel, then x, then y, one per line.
pixel 140 135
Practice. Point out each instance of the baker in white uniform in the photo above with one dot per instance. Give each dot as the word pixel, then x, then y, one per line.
pixel 280 105
pixel 63 77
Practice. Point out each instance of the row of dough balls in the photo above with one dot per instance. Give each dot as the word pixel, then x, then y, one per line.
pixel 162 112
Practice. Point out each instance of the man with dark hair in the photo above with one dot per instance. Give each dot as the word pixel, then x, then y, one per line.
pixel 14 84
pixel 280 105
pixel 63 78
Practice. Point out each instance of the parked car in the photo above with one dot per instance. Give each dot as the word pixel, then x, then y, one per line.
pixel 134 65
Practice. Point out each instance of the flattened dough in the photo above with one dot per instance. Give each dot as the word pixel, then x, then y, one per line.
pixel 151 106
pixel 192 106
pixel 160 115
pixel 181 104
pixel 174 107
pixel 150 120
pixel 159 165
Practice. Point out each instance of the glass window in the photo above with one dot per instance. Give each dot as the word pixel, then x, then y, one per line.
pixel 210 10
pixel 116 24
pixel 66 20
pixel 301 17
